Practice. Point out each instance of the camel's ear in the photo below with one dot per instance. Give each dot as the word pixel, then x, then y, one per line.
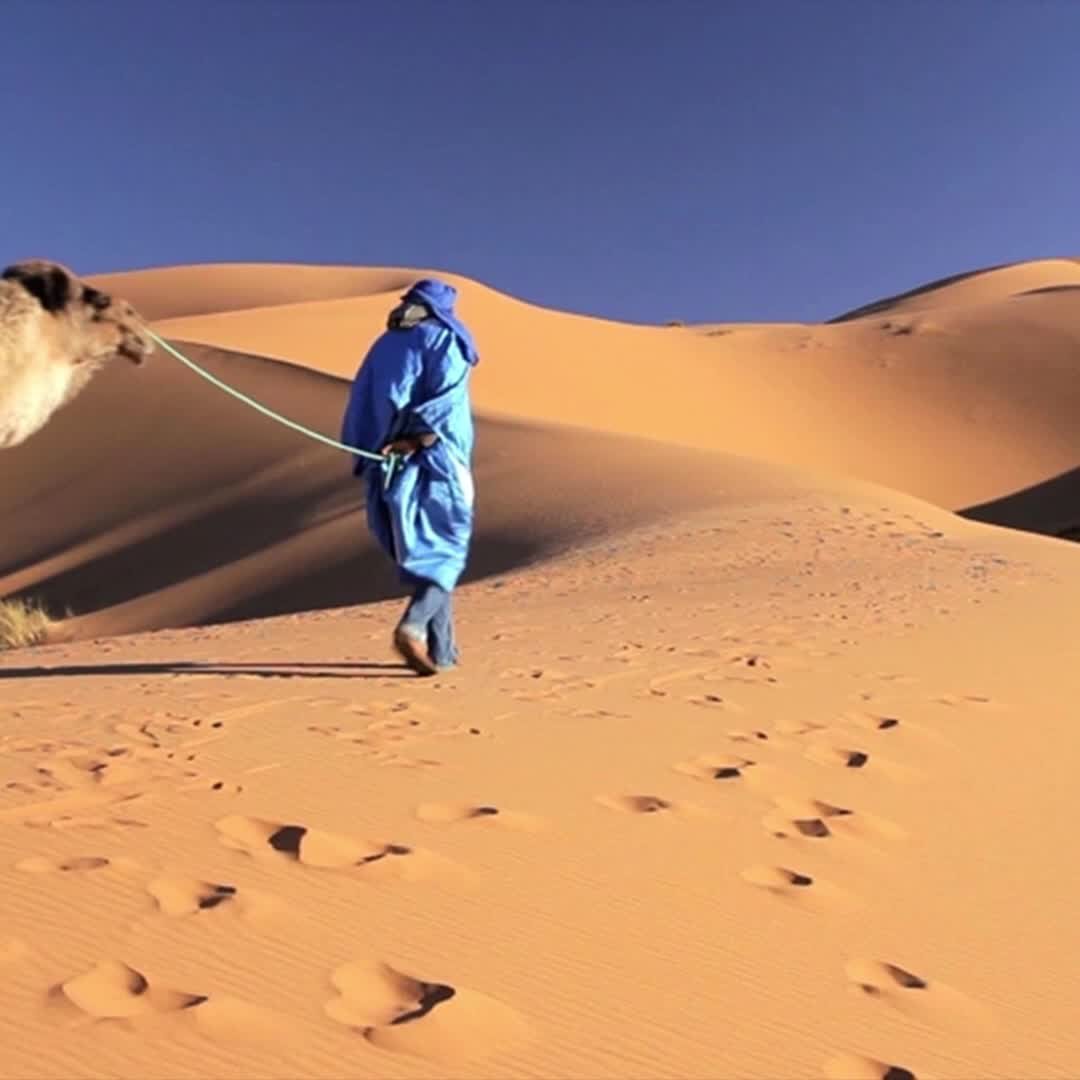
pixel 95 298
pixel 50 285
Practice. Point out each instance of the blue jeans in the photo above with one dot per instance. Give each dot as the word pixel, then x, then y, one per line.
pixel 429 617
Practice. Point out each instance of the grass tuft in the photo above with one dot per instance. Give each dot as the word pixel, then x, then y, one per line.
pixel 23 623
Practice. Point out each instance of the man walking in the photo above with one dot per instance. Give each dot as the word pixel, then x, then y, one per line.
pixel 410 401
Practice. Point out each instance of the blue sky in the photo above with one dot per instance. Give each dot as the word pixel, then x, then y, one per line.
pixel 636 159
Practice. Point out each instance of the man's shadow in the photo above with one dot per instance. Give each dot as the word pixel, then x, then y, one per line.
pixel 269 670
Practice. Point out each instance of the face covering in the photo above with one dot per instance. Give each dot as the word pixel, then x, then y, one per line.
pixel 407 315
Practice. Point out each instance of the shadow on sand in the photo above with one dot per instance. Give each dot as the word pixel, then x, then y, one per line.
pixel 1051 507
pixel 275 670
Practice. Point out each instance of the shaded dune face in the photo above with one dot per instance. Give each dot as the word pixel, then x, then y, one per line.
pixel 56 332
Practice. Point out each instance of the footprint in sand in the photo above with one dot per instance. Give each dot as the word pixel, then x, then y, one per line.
pixel 432 1020
pixel 968 701
pixel 40 746
pixel 815 820
pixel 393 759
pixel 80 770
pixel 891 677
pixel 22 787
pixel 71 809
pixel 334 731
pixel 213 785
pixel 380 742
pixel 871 721
pixel 112 768
pixel 722 768
pixel 76 864
pixel 155 734
pixel 857 1067
pixel 113 992
pixel 597 714
pixel 203 728
pixel 848 757
pixel 323 850
pixel 749 667
pixel 797 727
pixel 457 731
pixel 177 896
pixel 198 729
pixel 63 822
pixel 325 702
pixel 554 687
pixel 910 993
pixel 755 736
pixel 716 701
pixel 857 757
pixel 534 673
pixel 139 732
pixel 758 737
pixel 394 725
pixel 479 813
pixel 397 728
pixel 777 878
pixel 636 804
pixel 888 725
pixel 655 805
pixel 404 710
pixel 807 890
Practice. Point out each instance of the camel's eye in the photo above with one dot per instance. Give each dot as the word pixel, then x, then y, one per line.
pixel 96 299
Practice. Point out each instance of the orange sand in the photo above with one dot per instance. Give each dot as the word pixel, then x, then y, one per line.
pixel 760 763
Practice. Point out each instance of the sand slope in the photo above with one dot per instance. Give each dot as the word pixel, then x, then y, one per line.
pixel 752 771
pixel 193 508
pixel 991 285
pixel 686 875
pixel 965 402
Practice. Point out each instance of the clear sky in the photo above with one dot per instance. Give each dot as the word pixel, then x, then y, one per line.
pixel 637 159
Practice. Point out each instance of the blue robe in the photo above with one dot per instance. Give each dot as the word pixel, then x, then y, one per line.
pixel 415 382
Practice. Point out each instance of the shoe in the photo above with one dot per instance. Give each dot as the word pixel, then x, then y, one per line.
pixel 414 652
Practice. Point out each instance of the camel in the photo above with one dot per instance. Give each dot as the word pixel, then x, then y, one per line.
pixel 56 333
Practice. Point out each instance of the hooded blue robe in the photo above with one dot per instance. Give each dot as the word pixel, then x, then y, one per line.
pixel 415 382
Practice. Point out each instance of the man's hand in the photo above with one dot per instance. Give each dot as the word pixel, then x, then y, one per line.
pixel 409 445
pixel 400 446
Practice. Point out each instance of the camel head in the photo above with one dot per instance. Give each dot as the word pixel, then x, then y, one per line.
pixel 94 325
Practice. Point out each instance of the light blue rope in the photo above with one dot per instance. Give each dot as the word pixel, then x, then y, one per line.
pixel 387 461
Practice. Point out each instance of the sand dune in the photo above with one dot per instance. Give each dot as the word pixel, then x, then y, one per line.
pixel 203 510
pixel 259 522
pixel 992 285
pixel 629 836
pixel 960 404
pixel 759 764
